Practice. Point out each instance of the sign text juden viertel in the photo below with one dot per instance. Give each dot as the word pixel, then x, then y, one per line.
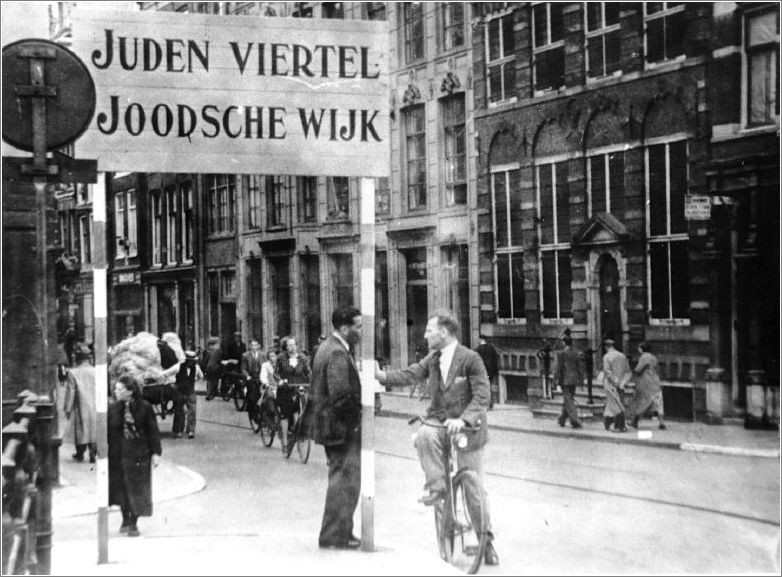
pixel 178 56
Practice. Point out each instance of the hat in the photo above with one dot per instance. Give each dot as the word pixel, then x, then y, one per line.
pixel 190 355
pixel 608 342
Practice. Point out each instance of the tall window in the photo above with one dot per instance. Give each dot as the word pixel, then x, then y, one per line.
pixel 85 226
pixel 254 201
pixel 172 246
pixel 452 25
pixel 342 272
pixel 186 191
pixel 131 232
pixel 665 31
pixel 222 195
pixel 255 297
pixel 456 282
pixel 761 44
pixel 213 288
pixel 307 191
pixel 333 10
pixel 281 295
pixel 374 10
pixel 605 177
pixel 554 246
pixel 302 10
pixel 119 224
pixel 276 201
pixel 415 148
pixel 382 196
pixel 506 198
pixel 338 197
pixel 455 149
pixel 382 327
pixel 157 227
pixel 548 45
pixel 413 24
pixel 603 39
pixel 500 59
pixel 667 231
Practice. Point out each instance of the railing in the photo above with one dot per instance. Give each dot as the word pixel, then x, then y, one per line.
pixel 28 472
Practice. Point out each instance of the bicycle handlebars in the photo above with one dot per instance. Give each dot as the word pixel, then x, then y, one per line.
pixel 423 421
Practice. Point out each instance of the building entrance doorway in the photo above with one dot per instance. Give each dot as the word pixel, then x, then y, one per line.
pixel 610 317
pixel 417 303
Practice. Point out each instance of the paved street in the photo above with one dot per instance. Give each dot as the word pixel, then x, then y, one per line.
pixel 559 505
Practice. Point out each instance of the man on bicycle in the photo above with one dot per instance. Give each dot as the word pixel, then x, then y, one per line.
pixel 252 361
pixel 460 392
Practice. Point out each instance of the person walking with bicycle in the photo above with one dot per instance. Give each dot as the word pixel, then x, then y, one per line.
pixel 334 417
pixel 460 392
pixel 252 361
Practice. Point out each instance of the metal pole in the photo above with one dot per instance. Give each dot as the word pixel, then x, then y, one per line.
pixel 99 299
pixel 367 259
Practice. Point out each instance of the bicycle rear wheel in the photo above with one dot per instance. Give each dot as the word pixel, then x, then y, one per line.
pixel 268 426
pixel 254 414
pixel 303 443
pixel 291 440
pixel 471 526
pixel 240 397
pixel 446 535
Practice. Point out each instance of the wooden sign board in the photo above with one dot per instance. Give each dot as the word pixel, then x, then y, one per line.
pixel 235 94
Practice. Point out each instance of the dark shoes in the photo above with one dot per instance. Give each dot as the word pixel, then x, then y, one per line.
pixel 351 543
pixel 577 425
pixel 78 457
pixel 561 421
pixel 190 435
pixel 124 528
pixel 490 556
pixel 133 531
pixel 662 427
pixel 634 423
pixel 431 498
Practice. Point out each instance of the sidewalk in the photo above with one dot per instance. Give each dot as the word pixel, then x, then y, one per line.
pixel 728 439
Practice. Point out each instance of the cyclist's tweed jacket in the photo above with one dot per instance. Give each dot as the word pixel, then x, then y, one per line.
pixel 465 392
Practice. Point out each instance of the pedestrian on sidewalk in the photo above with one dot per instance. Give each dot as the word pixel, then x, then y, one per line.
pixel 134 448
pixel 491 361
pixel 334 418
pixel 648 392
pixel 616 374
pixel 568 374
pixel 212 366
pixel 185 402
pixel 79 404
pixel 459 385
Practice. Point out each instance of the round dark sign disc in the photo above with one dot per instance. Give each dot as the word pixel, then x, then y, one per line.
pixel 68 113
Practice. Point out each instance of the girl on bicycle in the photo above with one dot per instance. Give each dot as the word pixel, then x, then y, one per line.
pixel 293 369
pixel 269 376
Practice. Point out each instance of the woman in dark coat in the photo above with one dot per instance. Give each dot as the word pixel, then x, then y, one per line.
pixel 294 370
pixel 134 448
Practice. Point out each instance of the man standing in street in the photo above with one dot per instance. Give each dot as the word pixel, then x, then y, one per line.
pixel 79 404
pixel 491 361
pixel 460 396
pixel 616 374
pixel 334 417
pixel 568 374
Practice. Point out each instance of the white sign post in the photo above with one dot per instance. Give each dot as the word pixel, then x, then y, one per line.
pixel 241 95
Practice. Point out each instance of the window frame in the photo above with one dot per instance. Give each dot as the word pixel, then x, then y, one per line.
pixel 549 46
pixel 557 246
pixel 662 14
pixel 746 73
pixel 601 32
pixel 221 193
pixel 171 218
pixel 276 206
pixel 606 152
pixel 254 202
pixel 450 131
pixel 156 215
pixel 444 28
pixel 334 213
pixel 502 61
pixel 511 249
pixel 187 212
pixel 305 201
pixel 669 237
pixel 408 37
pixel 408 138
pixel 120 208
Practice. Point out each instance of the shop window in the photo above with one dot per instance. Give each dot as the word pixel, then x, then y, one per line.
pixel 548 46
pixel 500 59
pixel 603 39
pixel 374 10
pixel 665 31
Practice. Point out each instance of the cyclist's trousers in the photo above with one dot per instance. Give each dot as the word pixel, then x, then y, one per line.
pixel 429 444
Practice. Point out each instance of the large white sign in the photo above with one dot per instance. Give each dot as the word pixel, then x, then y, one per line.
pixel 235 94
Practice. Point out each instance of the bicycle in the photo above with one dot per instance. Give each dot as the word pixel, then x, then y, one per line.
pixel 452 517
pixel 253 398
pixel 297 436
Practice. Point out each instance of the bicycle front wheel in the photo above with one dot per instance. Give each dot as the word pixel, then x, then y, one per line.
pixel 303 444
pixel 268 426
pixel 472 520
pixel 444 526
pixel 254 414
